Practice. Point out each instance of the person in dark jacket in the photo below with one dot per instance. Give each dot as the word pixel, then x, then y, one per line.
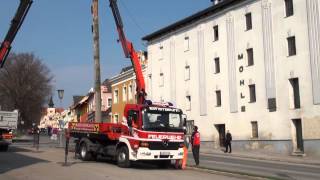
pixel 195 142
pixel 228 141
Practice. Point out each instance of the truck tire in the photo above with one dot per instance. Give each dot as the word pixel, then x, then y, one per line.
pixel 85 155
pixel 123 157
pixel 4 148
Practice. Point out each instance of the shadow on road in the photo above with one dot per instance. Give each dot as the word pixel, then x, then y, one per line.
pixel 13 159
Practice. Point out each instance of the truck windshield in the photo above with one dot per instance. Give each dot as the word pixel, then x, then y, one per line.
pixel 163 121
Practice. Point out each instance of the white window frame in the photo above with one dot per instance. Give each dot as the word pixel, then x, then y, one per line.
pixel 188 103
pixel 161 52
pixel 116 96
pixel 187 73
pixel 186 43
pixel 161 79
pixel 109 100
pixel 124 93
pixel 130 92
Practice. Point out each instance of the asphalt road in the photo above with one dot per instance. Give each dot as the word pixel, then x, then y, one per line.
pixel 22 162
pixel 263 168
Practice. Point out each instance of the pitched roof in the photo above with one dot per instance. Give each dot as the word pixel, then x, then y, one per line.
pixel 76 99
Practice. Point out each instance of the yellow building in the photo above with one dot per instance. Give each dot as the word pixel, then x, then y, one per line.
pixel 123 88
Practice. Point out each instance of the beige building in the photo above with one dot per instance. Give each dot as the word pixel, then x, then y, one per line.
pixel 123 88
pixel 248 66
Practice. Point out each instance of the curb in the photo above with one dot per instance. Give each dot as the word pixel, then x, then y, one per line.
pixel 305 162
pixel 235 174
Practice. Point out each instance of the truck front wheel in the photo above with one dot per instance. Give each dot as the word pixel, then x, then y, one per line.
pixel 4 148
pixel 84 153
pixel 123 157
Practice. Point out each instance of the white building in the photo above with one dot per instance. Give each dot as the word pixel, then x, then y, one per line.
pixel 248 66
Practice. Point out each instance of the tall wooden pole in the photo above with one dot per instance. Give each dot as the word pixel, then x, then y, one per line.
pixel 96 57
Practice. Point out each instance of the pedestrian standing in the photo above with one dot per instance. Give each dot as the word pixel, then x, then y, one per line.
pixel 228 142
pixel 195 142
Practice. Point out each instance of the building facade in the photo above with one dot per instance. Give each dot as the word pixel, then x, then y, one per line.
pixel 84 106
pixel 123 88
pixel 248 66
pixel 123 92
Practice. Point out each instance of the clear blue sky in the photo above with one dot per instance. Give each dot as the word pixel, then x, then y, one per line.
pixel 59 33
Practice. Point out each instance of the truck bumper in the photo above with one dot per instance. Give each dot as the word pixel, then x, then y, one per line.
pixel 147 154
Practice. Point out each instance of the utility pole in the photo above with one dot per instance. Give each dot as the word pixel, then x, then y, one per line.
pixel 96 57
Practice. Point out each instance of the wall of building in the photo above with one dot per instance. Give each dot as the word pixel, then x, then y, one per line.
pixel 270 74
pixel 123 98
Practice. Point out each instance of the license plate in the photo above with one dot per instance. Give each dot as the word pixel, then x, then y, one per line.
pixel 164 153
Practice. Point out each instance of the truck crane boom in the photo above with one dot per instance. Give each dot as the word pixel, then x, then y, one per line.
pixel 129 52
pixel 16 23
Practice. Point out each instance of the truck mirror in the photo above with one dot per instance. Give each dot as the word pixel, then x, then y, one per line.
pixel 129 121
pixel 184 117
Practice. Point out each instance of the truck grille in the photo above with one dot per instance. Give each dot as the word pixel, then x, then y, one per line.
pixel 164 146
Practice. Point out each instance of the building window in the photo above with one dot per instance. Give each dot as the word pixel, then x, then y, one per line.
pixel 272 104
pixel 186 43
pixel 187 73
pixel 161 80
pixel 248 21
pixel 161 52
pixel 252 91
pixel 116 118
pixel 218 98
pixel 254 125
pixel 250 57
pixel 116 96
pixel 216 65
pixel 291 46
pixel 124 93
pixel 289 7
pixel 215 33
pixel 109 102
pixel 130 92
pixel 188 103
pixel 294 93
pixel 150 84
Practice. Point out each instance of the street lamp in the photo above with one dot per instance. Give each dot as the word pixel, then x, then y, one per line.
pixel 60 95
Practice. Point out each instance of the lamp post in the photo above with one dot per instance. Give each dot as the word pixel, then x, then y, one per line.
pixel 60 95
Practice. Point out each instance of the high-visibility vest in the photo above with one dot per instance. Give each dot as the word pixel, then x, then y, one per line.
pixel 196 139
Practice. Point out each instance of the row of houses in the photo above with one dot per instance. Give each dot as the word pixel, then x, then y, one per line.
pixel 248 66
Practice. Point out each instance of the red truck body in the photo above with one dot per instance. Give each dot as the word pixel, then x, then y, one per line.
pixel 152 132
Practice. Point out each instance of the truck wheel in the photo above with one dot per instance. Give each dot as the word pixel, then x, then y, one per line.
pixel 4 148
pixel 85 155
pixel 123 157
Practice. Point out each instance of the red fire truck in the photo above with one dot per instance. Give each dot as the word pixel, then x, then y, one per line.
pixel 152 131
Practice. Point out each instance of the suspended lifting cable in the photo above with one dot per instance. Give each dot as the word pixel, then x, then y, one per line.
pixel 133 19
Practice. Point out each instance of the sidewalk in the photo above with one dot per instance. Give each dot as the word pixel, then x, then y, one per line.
pixel 258 155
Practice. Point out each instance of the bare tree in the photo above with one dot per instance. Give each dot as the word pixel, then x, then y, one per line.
pixel 26 85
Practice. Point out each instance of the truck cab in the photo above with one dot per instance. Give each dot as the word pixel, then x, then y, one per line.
pixel 156 132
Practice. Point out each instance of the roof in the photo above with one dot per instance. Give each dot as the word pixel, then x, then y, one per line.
pixel 195 17
pixel 76 99
pixel 125 69
pixel 107 83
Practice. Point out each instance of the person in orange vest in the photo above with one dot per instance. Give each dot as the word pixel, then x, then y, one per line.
pixel 195 142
